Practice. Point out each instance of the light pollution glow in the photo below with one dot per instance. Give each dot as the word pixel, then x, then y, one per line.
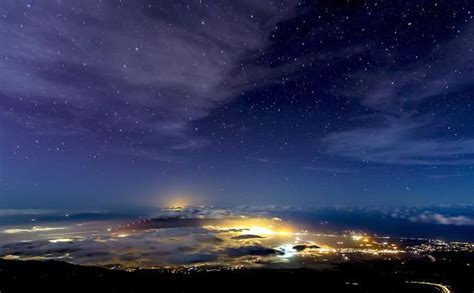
pixel 235 241
pixel 255 226
pixel 177 201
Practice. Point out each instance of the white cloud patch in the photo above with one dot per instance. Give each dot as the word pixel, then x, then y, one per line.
pixel 436 218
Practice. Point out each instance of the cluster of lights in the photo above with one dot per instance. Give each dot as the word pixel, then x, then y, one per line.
pixel 274 233
pixel 255 226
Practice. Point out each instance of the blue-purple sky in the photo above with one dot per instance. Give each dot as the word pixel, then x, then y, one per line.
pixel 117 103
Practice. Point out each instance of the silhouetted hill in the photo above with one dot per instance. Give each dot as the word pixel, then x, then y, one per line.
pixel 53 276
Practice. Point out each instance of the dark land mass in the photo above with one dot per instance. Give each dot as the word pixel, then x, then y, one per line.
pixel 455 271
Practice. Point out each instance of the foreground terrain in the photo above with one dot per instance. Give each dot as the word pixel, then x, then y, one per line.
pixel 453 274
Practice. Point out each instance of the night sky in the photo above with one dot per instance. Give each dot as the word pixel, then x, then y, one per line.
pixel 309 103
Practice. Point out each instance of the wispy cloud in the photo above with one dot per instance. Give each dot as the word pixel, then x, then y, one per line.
pixel 402 135
pixel 126 72
pixel 436 218
pixel 396 143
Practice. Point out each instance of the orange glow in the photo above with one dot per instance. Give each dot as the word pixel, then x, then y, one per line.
pixel 177 201
pixel 255 226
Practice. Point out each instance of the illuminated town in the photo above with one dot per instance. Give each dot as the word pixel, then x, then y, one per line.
pixel 179 242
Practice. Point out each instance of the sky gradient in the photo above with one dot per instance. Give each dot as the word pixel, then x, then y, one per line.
pixel 116 103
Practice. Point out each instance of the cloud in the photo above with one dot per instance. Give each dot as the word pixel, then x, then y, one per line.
pixel 32 230
pixel 458 215
pixel 176 237
pixel 195 235
pixel 443 70
pixel 396 143
pixel 203 212
pixel 247 236
pixel 253 250
pixel 23 212
pixel 398 132
pixel 304 247
pixel 194 258
pixel 136 75
pixel 440 219
pixel 153 247
pixel 209 212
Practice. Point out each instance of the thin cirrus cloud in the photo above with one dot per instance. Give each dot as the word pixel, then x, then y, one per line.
pixel 136 73
pixel 394 144
pixel 404 136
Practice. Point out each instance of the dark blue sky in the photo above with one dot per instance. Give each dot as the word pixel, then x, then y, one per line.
pixel 112 103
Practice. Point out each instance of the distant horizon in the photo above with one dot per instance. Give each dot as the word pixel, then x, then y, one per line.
pixel 433 221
